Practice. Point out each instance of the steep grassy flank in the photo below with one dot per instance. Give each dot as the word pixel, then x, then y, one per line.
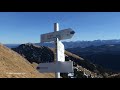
pixel 12 65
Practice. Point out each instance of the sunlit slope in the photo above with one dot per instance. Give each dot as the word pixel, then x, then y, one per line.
pixel 12 65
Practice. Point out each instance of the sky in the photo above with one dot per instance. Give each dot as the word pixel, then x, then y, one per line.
pixel 24 27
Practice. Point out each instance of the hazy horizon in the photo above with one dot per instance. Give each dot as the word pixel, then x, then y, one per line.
pixel 62 41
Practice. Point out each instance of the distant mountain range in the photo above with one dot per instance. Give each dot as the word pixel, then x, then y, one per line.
pixel 107 56
pixel 75 44
pixel 82 44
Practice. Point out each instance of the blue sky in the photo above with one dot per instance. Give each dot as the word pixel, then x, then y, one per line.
pixel 24 27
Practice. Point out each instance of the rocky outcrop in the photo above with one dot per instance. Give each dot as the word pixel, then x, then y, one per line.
pixel 34 53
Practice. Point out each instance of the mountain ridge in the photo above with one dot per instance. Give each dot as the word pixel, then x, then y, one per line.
pixel 46 54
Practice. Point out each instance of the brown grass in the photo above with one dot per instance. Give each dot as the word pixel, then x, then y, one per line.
pixel 12 65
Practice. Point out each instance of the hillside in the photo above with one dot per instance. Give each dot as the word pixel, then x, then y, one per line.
pixel 42 54
pixel 13 65
pixel 107 56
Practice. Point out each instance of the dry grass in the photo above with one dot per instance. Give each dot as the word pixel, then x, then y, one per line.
pixel 12 65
